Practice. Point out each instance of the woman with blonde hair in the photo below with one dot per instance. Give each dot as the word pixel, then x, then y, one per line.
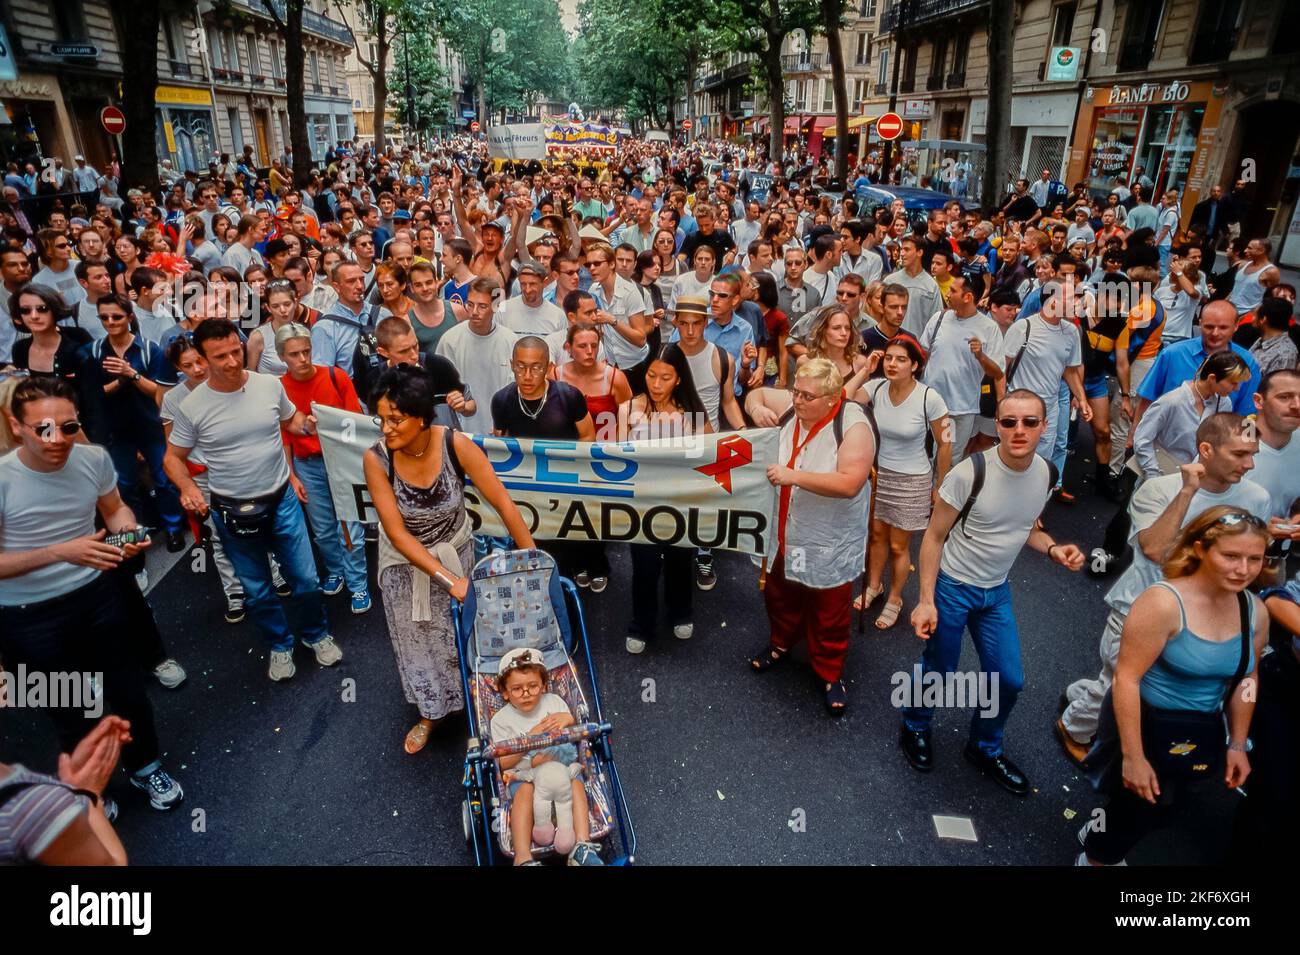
pixel 872 306
pixel 1187 663
pixel 833 336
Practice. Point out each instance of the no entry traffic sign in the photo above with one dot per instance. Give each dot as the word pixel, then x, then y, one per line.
pixel 686 124
pixel 889 126
pixel 112 119
pixel 473 127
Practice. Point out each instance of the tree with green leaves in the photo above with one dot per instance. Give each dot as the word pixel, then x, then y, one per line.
pixel 381 20
pixel 416 48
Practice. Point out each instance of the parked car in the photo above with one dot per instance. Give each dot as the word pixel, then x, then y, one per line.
pixel 916 202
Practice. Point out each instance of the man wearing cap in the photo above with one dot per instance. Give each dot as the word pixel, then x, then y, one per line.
pixel 528 313
pixel 85 176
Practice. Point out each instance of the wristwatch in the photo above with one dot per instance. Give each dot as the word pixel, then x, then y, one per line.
pixel 137 376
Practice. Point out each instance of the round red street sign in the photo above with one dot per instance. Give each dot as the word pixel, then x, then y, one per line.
pixel 686 124
pixel 889 126
pixel 112 119
pixel 473 127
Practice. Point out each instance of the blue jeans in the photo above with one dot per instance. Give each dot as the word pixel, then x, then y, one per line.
pixel 1062 443
pixel 325 524
pixel 993 630
pixel 288 539
pixel 1164 251
pixel 122 449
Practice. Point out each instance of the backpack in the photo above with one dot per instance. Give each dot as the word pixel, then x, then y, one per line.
pixel 837 423
pixel 1015 362
pixel 367 363
pixel 929 432
pixel 980 464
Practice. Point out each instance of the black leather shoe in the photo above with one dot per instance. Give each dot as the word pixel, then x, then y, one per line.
pixel 175 541
pixel 916 747
pixel 1000 769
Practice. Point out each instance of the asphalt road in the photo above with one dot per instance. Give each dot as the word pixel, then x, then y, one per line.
pixel 722 766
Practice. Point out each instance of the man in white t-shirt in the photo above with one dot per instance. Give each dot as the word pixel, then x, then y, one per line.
pixel 964 346
pixel 1182 292
pixel 1160 508
pixel 1167 220
pixel 234 419
pixel 481 350
pixel 528 313
pixel 923 295
pixel 966 555
pixel 1043 349
pixel 63 604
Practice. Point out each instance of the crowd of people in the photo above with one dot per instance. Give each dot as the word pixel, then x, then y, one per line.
pixel 928 371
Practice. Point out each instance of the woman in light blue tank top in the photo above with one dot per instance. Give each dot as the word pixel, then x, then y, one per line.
pixel 1181 651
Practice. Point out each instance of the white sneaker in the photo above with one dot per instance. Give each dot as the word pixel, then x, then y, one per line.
pixel 164 792
pixel 327 652
pixel 282 667
pixel 170 674
pixel 634 645
pixel 684 631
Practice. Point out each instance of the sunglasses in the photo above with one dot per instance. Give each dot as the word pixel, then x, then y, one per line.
pixel 1029 421
pixel 1232 520
pixel 45 429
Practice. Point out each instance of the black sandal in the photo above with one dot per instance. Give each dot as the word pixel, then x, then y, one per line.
pixel 767 659
pixel 837 697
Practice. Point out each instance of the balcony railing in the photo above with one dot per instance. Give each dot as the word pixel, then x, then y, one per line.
pixel 881 89
pixel 312 22
pixel 181 68
pixel 907 86
pixel 910 13
pixel 864 60
pixel 933 83
pixel 956 80
pixel 803 62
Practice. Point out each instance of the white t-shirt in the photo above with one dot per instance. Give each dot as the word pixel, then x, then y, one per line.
pixel 238 434
pixel 952 370
pixel 87 317
pixel 1149 502
pixel 167 411
pixel 1180 308
pixel 239 257
pixel 627 301
pixel 1052 349
pixel 484 364
pixel 923 298
pixel 153 324
pixel 1167 217
pixel 65 283
pixel 903 427
pixel 523 319
pixel 38 509
pixel 1278 472
pixel 982 552
pixel 511 723
pixel 688 286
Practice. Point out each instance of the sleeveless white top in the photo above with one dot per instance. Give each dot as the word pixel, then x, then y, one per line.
pixel 1247 291
pixel 269 363
pixel 825 537
pixel 706 381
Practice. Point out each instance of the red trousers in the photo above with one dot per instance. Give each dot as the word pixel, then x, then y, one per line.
pixel 797 612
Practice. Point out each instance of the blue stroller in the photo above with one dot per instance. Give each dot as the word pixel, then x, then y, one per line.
pixel 518 599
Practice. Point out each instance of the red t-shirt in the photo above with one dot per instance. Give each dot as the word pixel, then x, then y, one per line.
pixel 778 328
pixel 329 386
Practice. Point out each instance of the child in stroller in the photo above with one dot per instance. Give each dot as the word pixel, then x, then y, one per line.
pixel 532 711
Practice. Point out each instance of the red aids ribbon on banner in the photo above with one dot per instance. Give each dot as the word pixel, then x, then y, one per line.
pixel 733 452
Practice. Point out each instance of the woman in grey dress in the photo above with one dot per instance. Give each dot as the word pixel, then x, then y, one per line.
pixel 416 477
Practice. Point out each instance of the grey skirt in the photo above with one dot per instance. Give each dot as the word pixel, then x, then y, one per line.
pixel 903 500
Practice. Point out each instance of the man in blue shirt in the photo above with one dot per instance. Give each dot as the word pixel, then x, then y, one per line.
pixel 335 335
pixel 1179 363
pixel 724 330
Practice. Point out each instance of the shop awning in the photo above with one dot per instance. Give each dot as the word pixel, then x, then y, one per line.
pixel 855 122
pixel 822 123
pixel 792 124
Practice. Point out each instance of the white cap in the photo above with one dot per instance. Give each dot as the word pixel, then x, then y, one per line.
pixel 78 158
pixel 520 656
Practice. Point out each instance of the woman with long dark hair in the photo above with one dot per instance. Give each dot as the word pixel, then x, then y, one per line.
pixel 668 408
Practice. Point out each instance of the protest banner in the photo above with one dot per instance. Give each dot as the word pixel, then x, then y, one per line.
pixel 704 491
pixel 517 141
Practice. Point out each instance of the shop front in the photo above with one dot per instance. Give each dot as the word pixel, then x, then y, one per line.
pixel 34 121
pixel 1166 128
pixel 184 125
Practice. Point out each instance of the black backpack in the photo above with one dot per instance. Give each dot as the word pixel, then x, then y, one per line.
pixel 367 363
pixel 837 423
pixel 980 464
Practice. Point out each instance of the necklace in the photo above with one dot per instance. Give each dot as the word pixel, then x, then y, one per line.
pixel 533 415
pixel 427 444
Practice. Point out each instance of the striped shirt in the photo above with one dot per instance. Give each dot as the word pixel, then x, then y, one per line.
pixel 33 817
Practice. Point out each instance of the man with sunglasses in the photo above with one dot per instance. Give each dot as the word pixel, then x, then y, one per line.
pixel 60 611
pixel 973 539
pixel 1160 508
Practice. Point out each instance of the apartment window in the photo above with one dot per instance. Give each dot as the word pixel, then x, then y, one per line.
pixel 940 59
pixel 1216 31
pixel 1063 24
pixel 1141 25
pixel 882 74
pixel 254 61
pixel 869 9
pixel 859 95
pixel 909 64
pixel 216 49
pixel 314 62
pixel 69 20
pixel 275 59
pixel 232 51
pixel 960 51
pixel 236 132
pixel 828 96
pixel 864 49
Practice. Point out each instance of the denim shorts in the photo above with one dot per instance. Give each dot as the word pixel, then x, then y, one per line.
pixel 1098 387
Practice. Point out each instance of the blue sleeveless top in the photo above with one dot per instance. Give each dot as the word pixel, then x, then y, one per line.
pixel 1193 673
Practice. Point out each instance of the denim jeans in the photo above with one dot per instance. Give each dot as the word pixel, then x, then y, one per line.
pixel 1062 444
pixel 325 524
pixel 287 538
pixel 123 451
pixel 993 630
